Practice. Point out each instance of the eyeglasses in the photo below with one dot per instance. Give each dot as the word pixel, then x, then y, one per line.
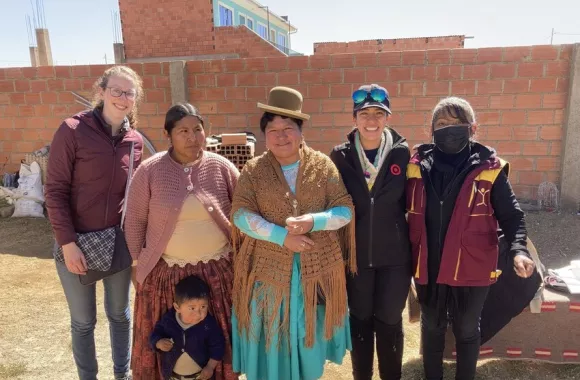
pixel 376 94
pixel 117 93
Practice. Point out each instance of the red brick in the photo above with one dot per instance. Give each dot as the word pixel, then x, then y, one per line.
pixel 247 79
pixel 486 87
pixel 488 118
pixel 414 57
pixel 333 105
pixel 503 70
pixel 7 86
pixel 543 85
pixel 449 72
pixel 424 72
pixel 266 79
pixel 522 164
pixel 343 120
pixel 318 91
pixel 439 56
pixel 152 68
pixel 556 148
pixel 540 117
pixel 554 101
pixel 479 102
pixel 342 61
pixel 257 94
pixel 516 54
pixel 563 85
pixel 46 134
pixel 501 102
pixel 536 149
pixel 65 97
pixel 205 80
pixel 558 116
pixel 60 110
pixel 545 53
pixel 217 93
pixel 414 118
pixel 401 104
pixel 411 89
pixel 277 63
pixel 310 77
pixel 288 78
pixel 44 72
pixel 378 75
pixel 162 82
pixel 153 96
pixel 423 103
pixel 6 123
pixel 311 106
pixel 463 87
pixel 551 133
pixel 531 69
pixel 17 98
pixel 476 71
pixel 55 84
pixel 319 62
pixel 298 62
pixel 87 84
pixel 42 110
pixel 255 64
pixel 148 109
pixel 341 91
pixel 13 73
pixel 20 85
pixel 226 80
pixel 72 84
pixel 529 101
pixel 365 60
pixel 496 133
pixel 390 58
pixel 486 55
pixel 313 134
pixel 530 178
pixel 28 134
pixel 94 71
pixel 245 107
pixel 215 66
pixel 331 76
pixel 525 133
pixel 516 86
pixel 399 73
pixel 80 71
pixel 466 56
pixel 235 93
pixel 513 118
pixel 547 164
pixel 508 148
pixel 357 76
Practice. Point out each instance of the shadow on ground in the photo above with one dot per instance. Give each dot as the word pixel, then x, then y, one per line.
pixel 27 237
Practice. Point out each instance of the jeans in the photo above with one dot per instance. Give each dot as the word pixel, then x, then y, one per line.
pixel 465 321
pixel 81 301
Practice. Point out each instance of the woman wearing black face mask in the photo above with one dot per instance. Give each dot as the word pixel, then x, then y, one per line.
pixel 457 193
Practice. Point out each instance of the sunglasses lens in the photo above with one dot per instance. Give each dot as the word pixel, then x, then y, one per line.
pixel 359 96
pixel 378 95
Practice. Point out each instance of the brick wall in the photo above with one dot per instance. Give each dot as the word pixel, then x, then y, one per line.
pixel 519 93
pixel 172 28
pixel 396 44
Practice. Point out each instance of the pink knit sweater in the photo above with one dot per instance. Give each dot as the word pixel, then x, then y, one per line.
pixel 157 192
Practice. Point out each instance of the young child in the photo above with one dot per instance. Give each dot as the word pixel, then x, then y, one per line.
pixel 190 340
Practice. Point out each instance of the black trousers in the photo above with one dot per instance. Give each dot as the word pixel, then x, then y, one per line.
pixel 464 314
pixel 376 298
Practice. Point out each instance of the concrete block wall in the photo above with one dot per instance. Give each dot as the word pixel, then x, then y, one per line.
pixel 520 95
pixel 393 44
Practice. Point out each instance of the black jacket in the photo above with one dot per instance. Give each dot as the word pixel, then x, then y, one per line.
pixel 443 179
pixel 382 233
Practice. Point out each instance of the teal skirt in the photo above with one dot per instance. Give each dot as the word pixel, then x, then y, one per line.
pixel 291 361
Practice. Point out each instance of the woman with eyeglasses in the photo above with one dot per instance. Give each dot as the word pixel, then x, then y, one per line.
pixel 85 190
pixel 372 164
pixel 458 193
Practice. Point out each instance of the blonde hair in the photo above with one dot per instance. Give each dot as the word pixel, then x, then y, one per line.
pixel 123 72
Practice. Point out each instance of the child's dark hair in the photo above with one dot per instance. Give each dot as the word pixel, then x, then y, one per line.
pixel 268 117
pixel 190 288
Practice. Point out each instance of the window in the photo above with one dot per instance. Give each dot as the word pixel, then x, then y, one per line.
pixel 281 40
pixel 250 23
pixel 263 31
pixel 226 16
pixel 242 19
pixel 272 35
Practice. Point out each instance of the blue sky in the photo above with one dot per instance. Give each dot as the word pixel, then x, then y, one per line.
pixel 81 31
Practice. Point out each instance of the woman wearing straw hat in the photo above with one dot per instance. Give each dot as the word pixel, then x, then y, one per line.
pixel 292 235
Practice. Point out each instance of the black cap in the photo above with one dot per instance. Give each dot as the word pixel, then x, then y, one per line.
pixel 369 102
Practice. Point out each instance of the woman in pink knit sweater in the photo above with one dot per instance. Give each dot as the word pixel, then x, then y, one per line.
pixel 177 225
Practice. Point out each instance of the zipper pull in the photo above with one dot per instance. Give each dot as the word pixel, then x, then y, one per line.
pixel 372 201
pixel 295 205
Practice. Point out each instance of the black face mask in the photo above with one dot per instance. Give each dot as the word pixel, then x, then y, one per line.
pixel 452 139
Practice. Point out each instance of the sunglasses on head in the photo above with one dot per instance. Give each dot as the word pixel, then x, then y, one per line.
pixel 376 94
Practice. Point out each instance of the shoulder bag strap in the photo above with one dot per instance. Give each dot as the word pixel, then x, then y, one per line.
pixel 129 175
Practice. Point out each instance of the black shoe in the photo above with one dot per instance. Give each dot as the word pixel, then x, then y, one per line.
pixel 363 348
pixel 390 344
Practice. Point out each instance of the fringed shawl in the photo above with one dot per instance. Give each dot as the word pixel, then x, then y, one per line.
pixel 262 270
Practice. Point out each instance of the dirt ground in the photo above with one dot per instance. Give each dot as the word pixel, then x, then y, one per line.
pixel 34 319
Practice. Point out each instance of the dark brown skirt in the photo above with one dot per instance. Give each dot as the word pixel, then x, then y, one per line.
pixel 155 296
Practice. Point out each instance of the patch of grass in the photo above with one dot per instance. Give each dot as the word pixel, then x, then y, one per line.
pixel 12 371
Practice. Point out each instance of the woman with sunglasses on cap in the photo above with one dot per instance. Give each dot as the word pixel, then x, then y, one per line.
pixel 458 193
pixel 372 164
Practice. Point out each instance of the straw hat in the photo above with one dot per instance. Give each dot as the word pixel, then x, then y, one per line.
pixel 285 101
